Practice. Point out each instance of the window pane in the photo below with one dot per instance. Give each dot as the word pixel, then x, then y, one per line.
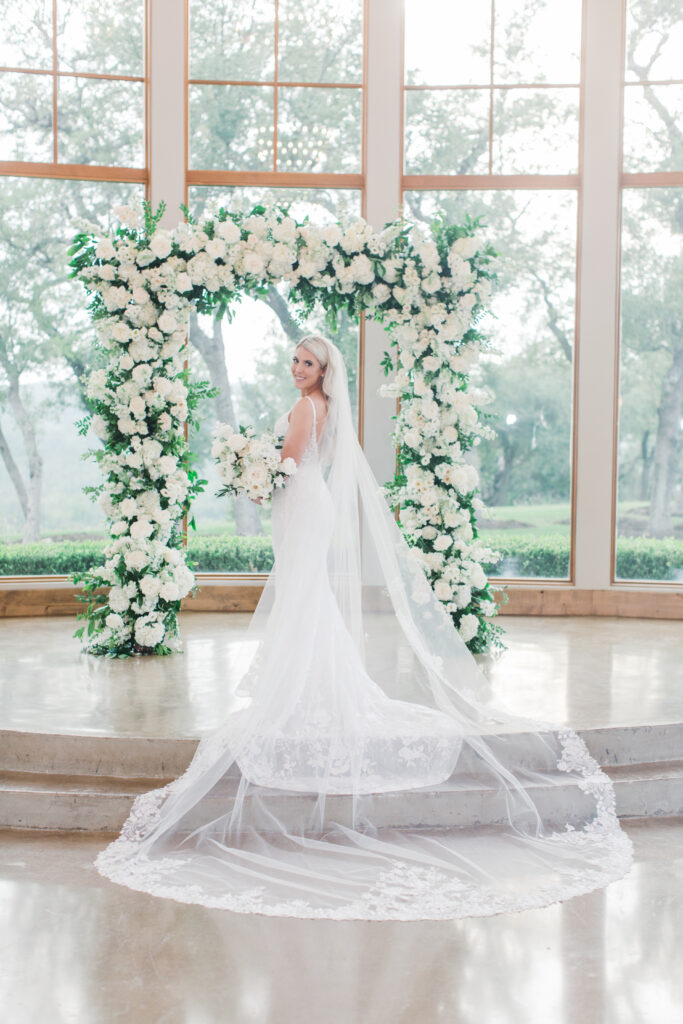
pixel 537 41
pixel 26 38
pixel 25 117
pixel 650 505
pixel 652 128
pixel 447 43
pixel 232 39
pixel 536 131
pixel 321 206
pixel 46 341
pixel 654 40
pixel 320 41
pixel 319 130
pixel 101 122
pixel 248 359
pixel 100 36
pixel 447 132
pixel 526 469
pixel 231 127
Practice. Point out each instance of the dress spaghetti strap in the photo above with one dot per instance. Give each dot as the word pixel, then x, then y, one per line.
pixel 315 423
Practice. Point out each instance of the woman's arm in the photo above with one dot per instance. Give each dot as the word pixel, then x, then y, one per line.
pixel 299 431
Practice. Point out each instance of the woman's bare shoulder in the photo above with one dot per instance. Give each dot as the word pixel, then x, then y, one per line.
pixel 301 412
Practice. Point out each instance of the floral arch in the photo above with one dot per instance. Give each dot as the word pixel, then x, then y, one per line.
pixel 427 289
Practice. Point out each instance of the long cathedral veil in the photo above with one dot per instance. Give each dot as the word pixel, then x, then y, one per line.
pixel 364 775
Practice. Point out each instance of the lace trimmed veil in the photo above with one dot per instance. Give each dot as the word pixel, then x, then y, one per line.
pixel 363 774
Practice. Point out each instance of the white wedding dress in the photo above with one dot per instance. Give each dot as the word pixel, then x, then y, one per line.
pixel 363 776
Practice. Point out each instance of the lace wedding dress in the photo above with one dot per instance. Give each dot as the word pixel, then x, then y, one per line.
pixel 363 775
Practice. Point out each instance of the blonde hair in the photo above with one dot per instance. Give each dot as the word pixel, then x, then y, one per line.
pixel 318 346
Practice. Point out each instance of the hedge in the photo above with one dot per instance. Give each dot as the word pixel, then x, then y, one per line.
pixel 639 558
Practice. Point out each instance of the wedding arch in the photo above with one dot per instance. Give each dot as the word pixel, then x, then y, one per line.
pixel 428 289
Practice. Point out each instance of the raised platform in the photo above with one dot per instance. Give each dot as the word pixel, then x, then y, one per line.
pixel 80 737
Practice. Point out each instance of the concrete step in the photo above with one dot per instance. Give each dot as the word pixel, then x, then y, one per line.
pixel 167 757
pixel 101 803
pixel 54 802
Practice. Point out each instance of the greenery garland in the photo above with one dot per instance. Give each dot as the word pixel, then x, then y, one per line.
pixel 429 290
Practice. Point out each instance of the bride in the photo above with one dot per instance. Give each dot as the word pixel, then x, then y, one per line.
pixel 361 774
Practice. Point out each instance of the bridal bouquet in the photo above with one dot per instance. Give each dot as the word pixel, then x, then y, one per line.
pixel 247 464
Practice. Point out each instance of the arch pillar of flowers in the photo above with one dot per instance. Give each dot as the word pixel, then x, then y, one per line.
pixel 428 289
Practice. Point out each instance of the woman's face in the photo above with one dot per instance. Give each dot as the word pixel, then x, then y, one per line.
pixel 306 370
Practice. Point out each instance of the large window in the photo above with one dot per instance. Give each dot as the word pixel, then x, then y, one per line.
pixel 72 106
pixel 650 452
pixel 491 108
pixel 512 112
pixel 275 113
pixel 276 85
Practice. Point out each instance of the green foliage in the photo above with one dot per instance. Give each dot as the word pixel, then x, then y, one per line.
pixel 46 558
pixel 230 553
pixel 649 558
pixel 638 558
pixel 547 557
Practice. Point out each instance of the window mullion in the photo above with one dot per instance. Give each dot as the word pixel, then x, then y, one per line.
pixel 167 106
pixel 598 292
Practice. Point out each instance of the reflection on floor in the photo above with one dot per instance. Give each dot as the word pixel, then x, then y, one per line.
pixel 75 949
pixel 584 672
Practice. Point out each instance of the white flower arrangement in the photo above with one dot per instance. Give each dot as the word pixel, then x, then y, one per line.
pixel 427 289
pixel 249 465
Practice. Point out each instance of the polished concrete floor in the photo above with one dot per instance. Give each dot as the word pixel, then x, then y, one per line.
pixel 76 949
pixel 584 672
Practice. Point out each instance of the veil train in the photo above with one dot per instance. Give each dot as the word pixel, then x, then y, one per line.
pixel 363 774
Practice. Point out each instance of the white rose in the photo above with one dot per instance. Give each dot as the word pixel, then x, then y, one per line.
pixel 183 282
pixel 114 621
pixel 478 577
pixel 151 450
pixel 149 634
pixel 127 215
pixel 150 586
pixel 167 323
pixel 105 250
pixel 169 591
pixel 228 231
pixel 361 269
pixel 137 406
pixel 99 426
pixel 118 600
pixel 128 508
pixel 253 264
pixel 135 559
pixel 126 425
pixel 167 464
pixel 442 590
pixel 120 332
pixel 469 627
pixel 161 245
pixel 466 246
pixel 215 247
pixel 141 528
pixel 115 298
